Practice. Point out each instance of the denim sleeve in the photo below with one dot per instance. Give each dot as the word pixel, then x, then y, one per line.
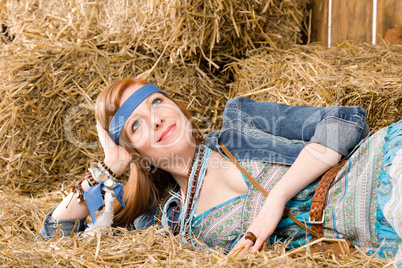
pixel 338 128
pixel 146 220
pixel 170 216
pixel 50 227
pixel 341 129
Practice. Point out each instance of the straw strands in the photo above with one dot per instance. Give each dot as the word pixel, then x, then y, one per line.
pixel 57 55
pixel 21 217
pixel 363 75
pixel 213 31
pixel 48 127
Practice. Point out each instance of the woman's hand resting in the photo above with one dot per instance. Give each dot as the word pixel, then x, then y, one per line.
pixel 116 157
pixel 264 224
pixel 311 163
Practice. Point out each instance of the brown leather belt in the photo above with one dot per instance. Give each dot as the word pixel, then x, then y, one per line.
pixel 317 212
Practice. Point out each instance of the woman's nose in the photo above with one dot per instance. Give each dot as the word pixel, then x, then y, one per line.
pixel 157 122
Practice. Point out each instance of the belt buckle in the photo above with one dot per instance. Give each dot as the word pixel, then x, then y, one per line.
pixel 315 221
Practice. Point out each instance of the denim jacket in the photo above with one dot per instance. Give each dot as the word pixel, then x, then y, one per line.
pixel 264 131
pixel 276 133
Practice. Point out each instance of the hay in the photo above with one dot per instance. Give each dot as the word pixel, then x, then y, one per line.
pixel 363 75
pixel 48 127
pixel 63 53
pixel 56 56
pixel 22 216
pixel 213 31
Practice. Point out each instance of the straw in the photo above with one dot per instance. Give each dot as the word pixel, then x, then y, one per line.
pixel 21 218
pixel 56 56
pixel 363 75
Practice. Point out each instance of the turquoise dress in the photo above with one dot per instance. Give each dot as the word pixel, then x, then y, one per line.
pixel 363 204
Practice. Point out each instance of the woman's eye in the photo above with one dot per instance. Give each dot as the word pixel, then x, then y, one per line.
pixel 156 102
pixel 136 125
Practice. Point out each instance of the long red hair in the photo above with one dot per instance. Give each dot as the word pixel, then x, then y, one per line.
pixel 143 189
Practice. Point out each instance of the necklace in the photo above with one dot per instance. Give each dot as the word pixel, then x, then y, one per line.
pixel 176 190
pixel 195 179
pixel 191 189
pixel 194 185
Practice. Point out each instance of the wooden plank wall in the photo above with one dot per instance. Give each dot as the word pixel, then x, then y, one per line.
pixel 352 20
pixel 389 17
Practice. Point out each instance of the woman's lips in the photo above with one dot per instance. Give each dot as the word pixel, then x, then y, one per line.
pixel 167 132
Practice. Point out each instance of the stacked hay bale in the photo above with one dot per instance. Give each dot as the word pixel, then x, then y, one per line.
pixel 57 56
pixel 363 75
pixel 181 30
pixel 49 132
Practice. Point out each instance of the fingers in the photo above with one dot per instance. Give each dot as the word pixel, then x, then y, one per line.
pixel 242 242
pixel 251 239
pixel 258 244
pixel 262 238
pixel 101 134
pixel 113 152
pixel 249 244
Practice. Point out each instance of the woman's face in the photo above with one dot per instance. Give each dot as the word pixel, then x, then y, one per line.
pixel 158 129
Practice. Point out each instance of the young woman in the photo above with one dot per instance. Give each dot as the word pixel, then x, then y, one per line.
pixel 191 186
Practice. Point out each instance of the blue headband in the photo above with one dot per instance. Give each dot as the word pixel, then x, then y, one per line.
pixel 127 109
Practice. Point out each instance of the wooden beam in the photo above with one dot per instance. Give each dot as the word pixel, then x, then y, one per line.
pixel 319 21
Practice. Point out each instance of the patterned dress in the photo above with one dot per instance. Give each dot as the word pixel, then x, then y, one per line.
pixel 363 204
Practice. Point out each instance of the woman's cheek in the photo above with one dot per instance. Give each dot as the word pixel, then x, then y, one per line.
pixel 142 138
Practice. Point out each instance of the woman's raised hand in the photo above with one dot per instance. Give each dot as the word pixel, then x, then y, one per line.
pixel 116 157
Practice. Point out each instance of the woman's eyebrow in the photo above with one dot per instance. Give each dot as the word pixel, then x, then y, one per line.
pixel 148 99
pixel 152 96
pixel 132 115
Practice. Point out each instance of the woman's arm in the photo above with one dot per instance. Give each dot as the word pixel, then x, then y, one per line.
pixel 329 133
pixel 116 158
pixel 311 163
pixel 70 208
pixel 69 216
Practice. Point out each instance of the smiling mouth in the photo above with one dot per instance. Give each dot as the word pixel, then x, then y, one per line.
pixel 167 132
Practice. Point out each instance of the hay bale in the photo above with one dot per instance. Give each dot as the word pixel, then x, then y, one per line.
pixel 63 53
pixel 48 130
pixel 364 75
pixel 38 92
pixel 212 31
pixel 22 216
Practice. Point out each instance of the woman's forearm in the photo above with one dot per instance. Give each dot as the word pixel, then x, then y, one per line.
pixel 311 163
pixel 70 208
